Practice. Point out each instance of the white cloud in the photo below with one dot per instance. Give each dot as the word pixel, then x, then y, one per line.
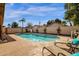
pixel 11 4
pixel 41 9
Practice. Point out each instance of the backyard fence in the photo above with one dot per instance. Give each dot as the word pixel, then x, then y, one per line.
pixel 65 30
pixel 13 30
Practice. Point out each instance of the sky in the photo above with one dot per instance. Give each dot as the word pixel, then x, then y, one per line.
pixel 33 12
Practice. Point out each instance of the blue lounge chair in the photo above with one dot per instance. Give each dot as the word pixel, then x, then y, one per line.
pixel 73 45
pixel 74 54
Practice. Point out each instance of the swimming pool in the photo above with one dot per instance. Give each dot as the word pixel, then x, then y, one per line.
pixel 38 37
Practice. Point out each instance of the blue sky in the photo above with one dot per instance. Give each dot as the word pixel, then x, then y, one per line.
pixel 33 12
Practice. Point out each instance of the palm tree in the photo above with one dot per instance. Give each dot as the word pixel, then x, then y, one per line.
pixel 22 21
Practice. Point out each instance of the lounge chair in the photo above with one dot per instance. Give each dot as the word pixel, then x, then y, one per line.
pixel 74 54
pixel 53 50
pixel 74 45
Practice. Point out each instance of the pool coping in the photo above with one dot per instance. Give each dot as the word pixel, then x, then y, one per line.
pixel 18 38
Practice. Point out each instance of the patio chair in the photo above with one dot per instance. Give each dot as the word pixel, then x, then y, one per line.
pixel 53 50
pixel 73 46
pixel 62 54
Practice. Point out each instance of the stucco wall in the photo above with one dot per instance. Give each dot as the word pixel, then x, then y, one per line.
pixel 13 30
pixel 53 29
pixel 50 29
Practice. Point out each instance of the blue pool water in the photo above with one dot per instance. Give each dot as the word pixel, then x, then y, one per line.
pixel 38 37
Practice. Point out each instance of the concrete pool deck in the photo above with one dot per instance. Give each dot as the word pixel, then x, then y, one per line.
pixel 22 47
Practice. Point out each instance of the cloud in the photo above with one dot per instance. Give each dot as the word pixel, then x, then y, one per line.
pixel 11 4
pixel 41 9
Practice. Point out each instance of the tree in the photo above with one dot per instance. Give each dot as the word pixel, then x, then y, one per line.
pixel 44 25
pixel 45 30
pixel 58 21
pixel 58 30
pixel 72 13
pixel 9 25
pixel 68 12
pixel 29 25
pixel 14 25
pixel 22 23
pixel 37 30
pixel 50 22
pixel 64 23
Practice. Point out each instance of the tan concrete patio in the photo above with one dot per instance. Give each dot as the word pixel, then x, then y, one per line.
pixel 22 47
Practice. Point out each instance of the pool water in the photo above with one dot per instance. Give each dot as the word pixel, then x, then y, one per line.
pixel 38 37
